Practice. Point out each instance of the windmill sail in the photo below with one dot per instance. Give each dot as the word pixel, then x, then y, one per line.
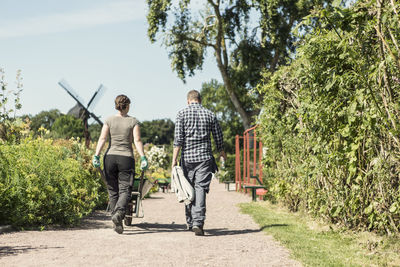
pixel 96 96
pixel 63 83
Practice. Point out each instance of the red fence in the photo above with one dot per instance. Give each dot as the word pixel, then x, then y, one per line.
pixel 248 159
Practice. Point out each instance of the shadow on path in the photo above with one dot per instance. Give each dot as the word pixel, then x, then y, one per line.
pixel 15 250
pixel 149 228
pixel 224 231
pixel 97 220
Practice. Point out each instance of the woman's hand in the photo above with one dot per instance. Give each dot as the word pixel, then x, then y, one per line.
pixel 143 164
pixel 96 161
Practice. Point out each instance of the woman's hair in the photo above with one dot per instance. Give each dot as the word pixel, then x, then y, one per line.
pixel 121 102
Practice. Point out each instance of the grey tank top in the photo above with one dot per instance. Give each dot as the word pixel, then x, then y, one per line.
pixel 121 135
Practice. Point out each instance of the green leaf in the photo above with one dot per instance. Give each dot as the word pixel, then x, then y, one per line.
pixel 368 210
pixel 393 208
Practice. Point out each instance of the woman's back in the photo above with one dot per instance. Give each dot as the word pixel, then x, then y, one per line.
pixel 121 134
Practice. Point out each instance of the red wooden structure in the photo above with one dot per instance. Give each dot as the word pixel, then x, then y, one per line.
pixel 248 163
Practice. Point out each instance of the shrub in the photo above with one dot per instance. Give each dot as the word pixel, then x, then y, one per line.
pixel 42 182
pixel 330 120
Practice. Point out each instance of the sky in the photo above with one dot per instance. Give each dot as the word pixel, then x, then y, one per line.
pixel 88 43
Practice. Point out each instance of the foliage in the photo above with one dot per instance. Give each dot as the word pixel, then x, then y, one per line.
pixel 331 119
pixel 158 157
pixel 227 173
pixel 244 35
pixel 157 132
pixel 7 114
pixel 42 181
pixel 46 120
pixel 94 131
pixel 317 244
pixel 66 126
pixel 214 98
pixel 47 182
pixel 43 119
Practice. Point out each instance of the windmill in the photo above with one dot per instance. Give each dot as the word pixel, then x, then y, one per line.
pixel 80 111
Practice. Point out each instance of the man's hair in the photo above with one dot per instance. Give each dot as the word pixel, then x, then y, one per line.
pixel 121 102
pixel 194 95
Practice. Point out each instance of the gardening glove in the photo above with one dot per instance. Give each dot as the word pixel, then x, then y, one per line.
pixel 96 161
pixel 144 164
pixel 222 163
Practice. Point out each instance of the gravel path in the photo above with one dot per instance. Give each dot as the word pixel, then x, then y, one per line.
pixel 158 239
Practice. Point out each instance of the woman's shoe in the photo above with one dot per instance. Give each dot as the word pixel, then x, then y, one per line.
pixel 117 221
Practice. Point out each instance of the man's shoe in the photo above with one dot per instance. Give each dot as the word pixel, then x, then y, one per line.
pixel 198 230
pixel 189 228
pixel 117 221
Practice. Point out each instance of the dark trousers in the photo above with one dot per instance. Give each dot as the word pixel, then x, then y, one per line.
pixel 199 175
pixel 119 171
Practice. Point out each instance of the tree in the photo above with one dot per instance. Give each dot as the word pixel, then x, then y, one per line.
pixel 44 119
pixel 67 126
pixel 214 98
pixel 157 132
pixel 242 47
pixel 94 131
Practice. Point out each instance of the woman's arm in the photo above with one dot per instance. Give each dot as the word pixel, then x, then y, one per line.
pixel 137 140
pixel 102 139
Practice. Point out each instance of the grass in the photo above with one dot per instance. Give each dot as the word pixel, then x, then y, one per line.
pixel 316 244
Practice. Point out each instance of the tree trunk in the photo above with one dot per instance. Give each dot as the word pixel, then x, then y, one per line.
pixel 222 62
pixel 246 120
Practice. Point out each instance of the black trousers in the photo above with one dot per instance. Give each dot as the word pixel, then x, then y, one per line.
pixel 119 171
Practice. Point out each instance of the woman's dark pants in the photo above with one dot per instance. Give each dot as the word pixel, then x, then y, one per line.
pixel 120 171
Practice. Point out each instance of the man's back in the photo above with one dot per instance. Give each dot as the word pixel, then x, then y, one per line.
pixel 194 124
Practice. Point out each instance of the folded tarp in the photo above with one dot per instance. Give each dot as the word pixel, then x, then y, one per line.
pixel 181 186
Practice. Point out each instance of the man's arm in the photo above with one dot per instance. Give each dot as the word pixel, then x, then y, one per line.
pixel 218 138
pixel 175 154
pixel 178 140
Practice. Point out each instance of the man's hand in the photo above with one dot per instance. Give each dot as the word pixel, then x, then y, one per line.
pixel 175 154
pixel 96 161
pixel 143 164
pixel 174 163
pixel 222 155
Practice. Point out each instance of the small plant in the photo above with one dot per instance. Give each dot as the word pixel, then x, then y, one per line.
pixel 158 157
pixel 7 114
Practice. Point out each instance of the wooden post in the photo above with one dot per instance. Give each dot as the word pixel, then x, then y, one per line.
pixel 254 153
pixel 260 162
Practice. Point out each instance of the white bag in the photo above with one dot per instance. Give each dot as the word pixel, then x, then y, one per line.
pixel 181 186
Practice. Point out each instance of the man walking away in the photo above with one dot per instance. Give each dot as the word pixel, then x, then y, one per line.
pixel 193 128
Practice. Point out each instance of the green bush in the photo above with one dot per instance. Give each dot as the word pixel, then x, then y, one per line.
pixel 227 173
pixel 66 126
pixel 45 182
pixel 331 120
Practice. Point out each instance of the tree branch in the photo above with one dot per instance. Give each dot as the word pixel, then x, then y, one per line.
pixel 196 41
pixel 394 41
pixel 212 3
pixel 387 46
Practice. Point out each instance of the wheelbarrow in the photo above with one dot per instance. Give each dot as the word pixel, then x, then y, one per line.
pixel 140 187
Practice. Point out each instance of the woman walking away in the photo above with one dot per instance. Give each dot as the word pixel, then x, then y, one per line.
pixel 119 162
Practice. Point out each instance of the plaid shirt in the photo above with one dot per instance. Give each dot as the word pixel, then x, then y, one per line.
pixel 193 127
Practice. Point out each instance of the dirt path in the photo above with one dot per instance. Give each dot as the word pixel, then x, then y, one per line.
pixel 159 239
